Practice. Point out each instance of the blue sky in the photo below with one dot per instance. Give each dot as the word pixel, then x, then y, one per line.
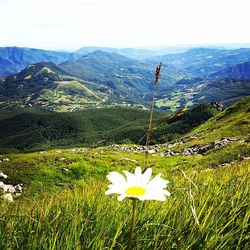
pixel 71 24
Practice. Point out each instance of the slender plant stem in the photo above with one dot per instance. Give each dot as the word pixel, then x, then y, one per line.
pixel 132 225
pixel 151 117
pixel 149 132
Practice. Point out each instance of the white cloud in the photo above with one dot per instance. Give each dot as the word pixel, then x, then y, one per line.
pixel 65 24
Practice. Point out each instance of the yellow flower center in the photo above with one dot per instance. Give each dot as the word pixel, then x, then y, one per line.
pixel 135 191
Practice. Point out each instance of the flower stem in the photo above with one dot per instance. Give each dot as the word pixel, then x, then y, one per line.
pixel 132 225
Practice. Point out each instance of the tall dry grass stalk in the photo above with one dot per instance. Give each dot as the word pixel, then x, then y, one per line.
pixel 149 132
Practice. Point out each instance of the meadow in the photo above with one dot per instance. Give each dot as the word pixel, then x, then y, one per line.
pixel 64 205
pixel 69 209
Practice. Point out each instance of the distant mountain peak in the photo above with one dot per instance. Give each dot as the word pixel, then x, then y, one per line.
pixel 15 59
pixel 104 54
pixel 238 71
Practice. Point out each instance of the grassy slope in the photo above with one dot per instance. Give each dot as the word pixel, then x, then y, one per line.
pixel 232 122
pixel 69 209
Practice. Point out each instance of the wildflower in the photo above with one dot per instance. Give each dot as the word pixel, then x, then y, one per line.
pixel 137 185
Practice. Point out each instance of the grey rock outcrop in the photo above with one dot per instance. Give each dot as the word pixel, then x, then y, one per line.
pixel 195 149
pixel 9 190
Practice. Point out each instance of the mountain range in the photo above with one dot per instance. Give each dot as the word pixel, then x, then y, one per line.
pixel 139 54
pixel 201 62
pixel 64 81
pixel 238 71
pixel 15 59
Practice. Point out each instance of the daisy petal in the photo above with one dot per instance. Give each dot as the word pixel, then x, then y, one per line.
pixel 166 193
pixel 110 191
pixel 130 177
pixel 116 178
pixel 146 176
pixel 121 197
pixel 138 172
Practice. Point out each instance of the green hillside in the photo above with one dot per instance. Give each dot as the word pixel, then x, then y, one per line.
pixel 131 79
pixel 48 86
pixel 39 129
pixel 36 129
pixel 232 122
pixel 64 205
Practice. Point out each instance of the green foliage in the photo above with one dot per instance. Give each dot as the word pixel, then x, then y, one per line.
pixel 35 130
pixel 179 125
pixel 226 91
pixel 41 130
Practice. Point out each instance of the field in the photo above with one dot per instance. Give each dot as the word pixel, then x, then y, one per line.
pixel 64 205
pixel 69 210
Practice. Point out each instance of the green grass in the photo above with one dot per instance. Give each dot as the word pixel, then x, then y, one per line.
pixel 84 218
pixel 232 122
pixel 69 210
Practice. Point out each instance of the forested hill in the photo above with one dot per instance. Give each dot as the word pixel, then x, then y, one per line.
pixel 38 130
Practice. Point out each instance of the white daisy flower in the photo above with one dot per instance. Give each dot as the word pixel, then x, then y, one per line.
pixel 137 185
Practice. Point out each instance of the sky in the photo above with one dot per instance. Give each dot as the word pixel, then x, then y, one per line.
pixel 71 24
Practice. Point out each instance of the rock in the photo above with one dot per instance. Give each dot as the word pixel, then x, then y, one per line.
pixel 4 176
pixel 7 188
pixel 225 164
pixel 7 197
pixel 246 158
pixel 195 149
pixel 170 153
pixel 151 151
pixel 19 188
